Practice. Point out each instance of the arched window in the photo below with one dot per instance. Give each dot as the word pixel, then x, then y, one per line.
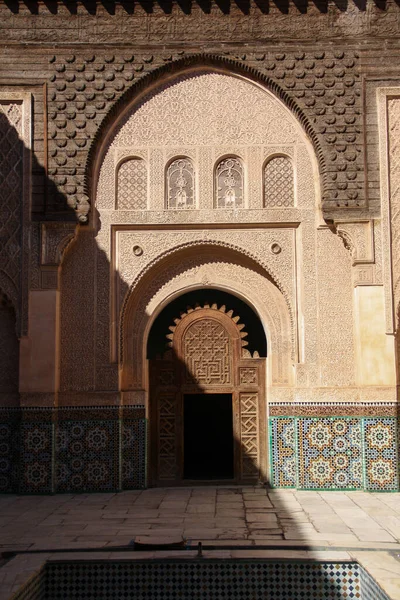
pixel 229 183
pixel 278 183
pixel 132 185
pixel 180 184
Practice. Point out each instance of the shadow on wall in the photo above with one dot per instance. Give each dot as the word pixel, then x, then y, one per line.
pixel 73 447
pixel 186 6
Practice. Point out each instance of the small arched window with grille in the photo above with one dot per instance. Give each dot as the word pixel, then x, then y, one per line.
pixel 278 183
pixel 132 185
pixel 229 183
pixel 180 184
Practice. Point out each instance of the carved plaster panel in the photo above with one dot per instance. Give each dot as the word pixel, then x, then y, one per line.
pixel 325 396
pixel 335 306
pixel 205 117
pixel 202 271
pixel 15 192
pixel 358 238
pixel 378 251
pixel 388 100
pixel 55 238
pixel 210 109
pixel 135 251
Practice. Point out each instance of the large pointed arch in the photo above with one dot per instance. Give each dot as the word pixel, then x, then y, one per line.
pixel 153 82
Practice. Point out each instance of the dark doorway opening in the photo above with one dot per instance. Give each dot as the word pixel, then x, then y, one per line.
pixel 208 436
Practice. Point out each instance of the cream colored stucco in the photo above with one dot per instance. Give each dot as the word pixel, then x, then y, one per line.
pixel 375 349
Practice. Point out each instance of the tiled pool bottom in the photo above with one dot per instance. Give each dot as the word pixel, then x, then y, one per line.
pixel 200 579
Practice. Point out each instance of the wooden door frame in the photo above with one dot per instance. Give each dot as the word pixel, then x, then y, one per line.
pixel 175 364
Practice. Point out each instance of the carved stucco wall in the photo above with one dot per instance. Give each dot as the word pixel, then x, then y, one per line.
pixel 9 350
pixel 78 312
pixel 204 117
pixel 198 268
pixel 388 104
pixel 15 144
pixel 185 119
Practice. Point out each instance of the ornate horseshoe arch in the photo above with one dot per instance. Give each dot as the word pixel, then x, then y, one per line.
pixel 207 356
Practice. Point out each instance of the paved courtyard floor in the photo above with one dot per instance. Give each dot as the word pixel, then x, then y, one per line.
pixel 229 521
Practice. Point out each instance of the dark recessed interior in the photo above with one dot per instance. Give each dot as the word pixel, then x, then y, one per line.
pixel 208 417
pixel 157 341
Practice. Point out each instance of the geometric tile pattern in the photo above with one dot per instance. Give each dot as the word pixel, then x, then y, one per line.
pixel 217 579
pixel 329 454
pixel 105 448
pixel 9 449
pixel 278 183
pixel 381 455
pixel 72 449
pixel 132 185
pixel 36 457
pixel 87 456
pixel 340 453
pixel 283 452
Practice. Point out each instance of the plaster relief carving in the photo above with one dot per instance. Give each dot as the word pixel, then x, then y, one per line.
pixel 180 184
pixel 11 157
pixel 55 238
pixel 250 242
pixel 15 144
pixel 389 123
pixel 219 116
pixel 278 182
pixel 171 278
pixel 243 113
pixel 132 185
pixel 358 239
pixel 229 183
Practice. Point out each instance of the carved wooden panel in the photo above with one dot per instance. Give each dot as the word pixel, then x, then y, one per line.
pixel 167 435
pixel 249 435
pixel 207 352
pixel 207 356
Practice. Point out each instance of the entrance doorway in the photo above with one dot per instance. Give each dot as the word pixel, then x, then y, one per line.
pixel 208 437
pixel 207 397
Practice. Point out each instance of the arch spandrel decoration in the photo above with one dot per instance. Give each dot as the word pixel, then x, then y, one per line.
pixel 161 78
pixel 189 266
pixel 207 355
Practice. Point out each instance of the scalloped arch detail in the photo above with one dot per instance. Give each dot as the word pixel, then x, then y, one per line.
pixel 209 243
